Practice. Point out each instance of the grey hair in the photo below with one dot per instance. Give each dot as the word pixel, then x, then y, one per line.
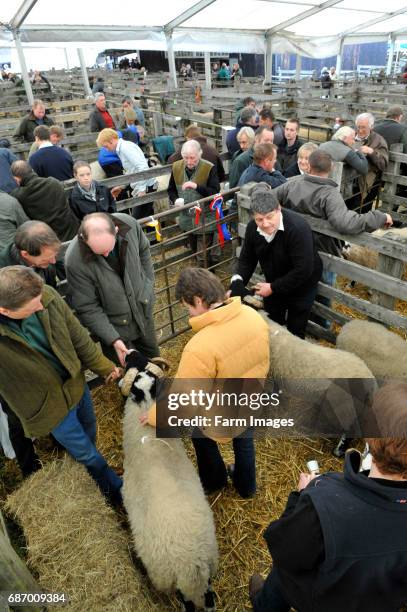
pixel 367 116
pixel 343 133
pixel 246 131
pixel 98 95
pixel 191 145
pixel 308 146
pixel 248 113
pixel 262 199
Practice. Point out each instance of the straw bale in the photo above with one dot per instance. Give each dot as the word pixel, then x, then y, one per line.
pixel 74 541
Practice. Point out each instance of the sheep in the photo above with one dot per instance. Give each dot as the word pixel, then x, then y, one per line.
pixel 383 351
pixel 294 362
pixel 367 257
pixel 74 542
pixel 170 518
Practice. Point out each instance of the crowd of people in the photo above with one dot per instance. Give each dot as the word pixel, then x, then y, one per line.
pixel 110 286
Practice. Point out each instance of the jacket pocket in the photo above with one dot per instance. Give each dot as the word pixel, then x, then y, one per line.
pixel 38 416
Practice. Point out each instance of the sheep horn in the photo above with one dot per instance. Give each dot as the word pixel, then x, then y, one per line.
pixel 155 369
pixel 161 362
pixel 127 381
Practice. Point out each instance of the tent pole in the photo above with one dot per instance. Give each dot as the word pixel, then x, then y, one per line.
pixel 66 58
pixel 268 62
pixel 171 60
pixel 208 78
pixel 23 65
pixel 86 86
pixel 339 59
pixel 298 62
pixel 391 53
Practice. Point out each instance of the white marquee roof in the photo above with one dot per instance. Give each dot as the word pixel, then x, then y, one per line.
pixel 304 26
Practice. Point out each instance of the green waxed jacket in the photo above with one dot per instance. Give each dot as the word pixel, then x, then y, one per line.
pixel 29 382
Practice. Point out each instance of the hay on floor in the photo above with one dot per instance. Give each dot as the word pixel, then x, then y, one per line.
pixel 75 543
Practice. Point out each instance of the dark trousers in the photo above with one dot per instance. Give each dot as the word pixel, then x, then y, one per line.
pixel 77 434
pixel 145 210
pixel 292 311
pixel 26 456
pixel 212 469
pixel 199 242
pixel 270 598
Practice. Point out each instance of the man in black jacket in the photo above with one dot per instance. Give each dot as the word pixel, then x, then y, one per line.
pixel 341 542
pixel 37 116
pixel 44 199
pixel 282 242
pixel 288 148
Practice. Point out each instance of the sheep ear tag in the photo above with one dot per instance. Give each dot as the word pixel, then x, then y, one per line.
pixel 127 381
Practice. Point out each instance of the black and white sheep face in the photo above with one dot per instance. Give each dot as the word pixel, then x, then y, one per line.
pixel 143 390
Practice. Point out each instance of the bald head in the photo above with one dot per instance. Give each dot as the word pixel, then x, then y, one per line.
pixel 98 231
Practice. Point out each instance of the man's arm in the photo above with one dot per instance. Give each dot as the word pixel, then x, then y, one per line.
pixel 380 156
pixel 145 254
pixel 275 179
pixel 212 185
pixel 281 193
pixel 348 221
pixel 88 351
pixel 358 161
pixel 85 301
pixel 93 122
pixel 248 259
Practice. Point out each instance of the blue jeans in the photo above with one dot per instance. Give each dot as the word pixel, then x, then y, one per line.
pixel 212 469
pixel 270 598
pixel 77 433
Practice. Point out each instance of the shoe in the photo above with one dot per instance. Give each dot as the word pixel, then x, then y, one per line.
pixel 342 446
pixel 256 583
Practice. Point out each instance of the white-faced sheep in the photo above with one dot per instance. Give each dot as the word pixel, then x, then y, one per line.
pixel 319 376
pixel 382 350
pixel 368 257
pixel 171 521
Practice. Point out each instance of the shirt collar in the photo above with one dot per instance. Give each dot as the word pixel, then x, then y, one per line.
pixel 270 237
pixel 44 144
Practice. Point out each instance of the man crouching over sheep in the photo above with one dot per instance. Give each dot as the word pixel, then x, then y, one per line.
pixel 283 243
pixel 231 341
pixel 43 352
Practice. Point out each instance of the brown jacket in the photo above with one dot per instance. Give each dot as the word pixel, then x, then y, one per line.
pixel 378 161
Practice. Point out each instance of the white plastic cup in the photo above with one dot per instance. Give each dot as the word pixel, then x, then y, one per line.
pixel 313 467
pixel 179 202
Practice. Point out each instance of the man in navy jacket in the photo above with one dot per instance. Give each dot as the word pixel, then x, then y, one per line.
pixel 50 160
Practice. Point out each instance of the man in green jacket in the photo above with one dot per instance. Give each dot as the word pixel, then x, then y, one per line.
pixel 43 352
pixel 111 284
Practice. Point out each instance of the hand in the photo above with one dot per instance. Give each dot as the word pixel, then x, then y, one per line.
pixel 189 185
pixel 121 351
pixel 389 221
pixel 115 191
pixel 114 375
pixel 141 194
pixel 263 289
pixel 143 418
pixel 237 288
pixel 366 150
pixel 304 480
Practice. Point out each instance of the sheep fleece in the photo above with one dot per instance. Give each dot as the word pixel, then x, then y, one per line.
pixel 171 521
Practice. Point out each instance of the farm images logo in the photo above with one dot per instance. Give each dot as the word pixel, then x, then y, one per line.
pixel 230 406
pixel 288 407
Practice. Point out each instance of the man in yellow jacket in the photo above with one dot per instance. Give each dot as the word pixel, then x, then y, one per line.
pixel 231 341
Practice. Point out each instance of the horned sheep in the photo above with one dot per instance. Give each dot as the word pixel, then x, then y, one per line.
pixel 171 521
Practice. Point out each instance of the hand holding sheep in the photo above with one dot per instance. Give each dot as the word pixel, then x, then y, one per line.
pixel 263 289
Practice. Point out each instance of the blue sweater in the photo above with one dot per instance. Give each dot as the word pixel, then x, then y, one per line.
pixel 52 161
pixel 257 174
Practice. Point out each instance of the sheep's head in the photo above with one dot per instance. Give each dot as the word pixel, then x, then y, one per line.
pixel 142 375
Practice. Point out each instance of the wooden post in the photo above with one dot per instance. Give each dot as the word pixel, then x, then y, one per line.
pixel 14 575
pixel 392 267
pixel 390 189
